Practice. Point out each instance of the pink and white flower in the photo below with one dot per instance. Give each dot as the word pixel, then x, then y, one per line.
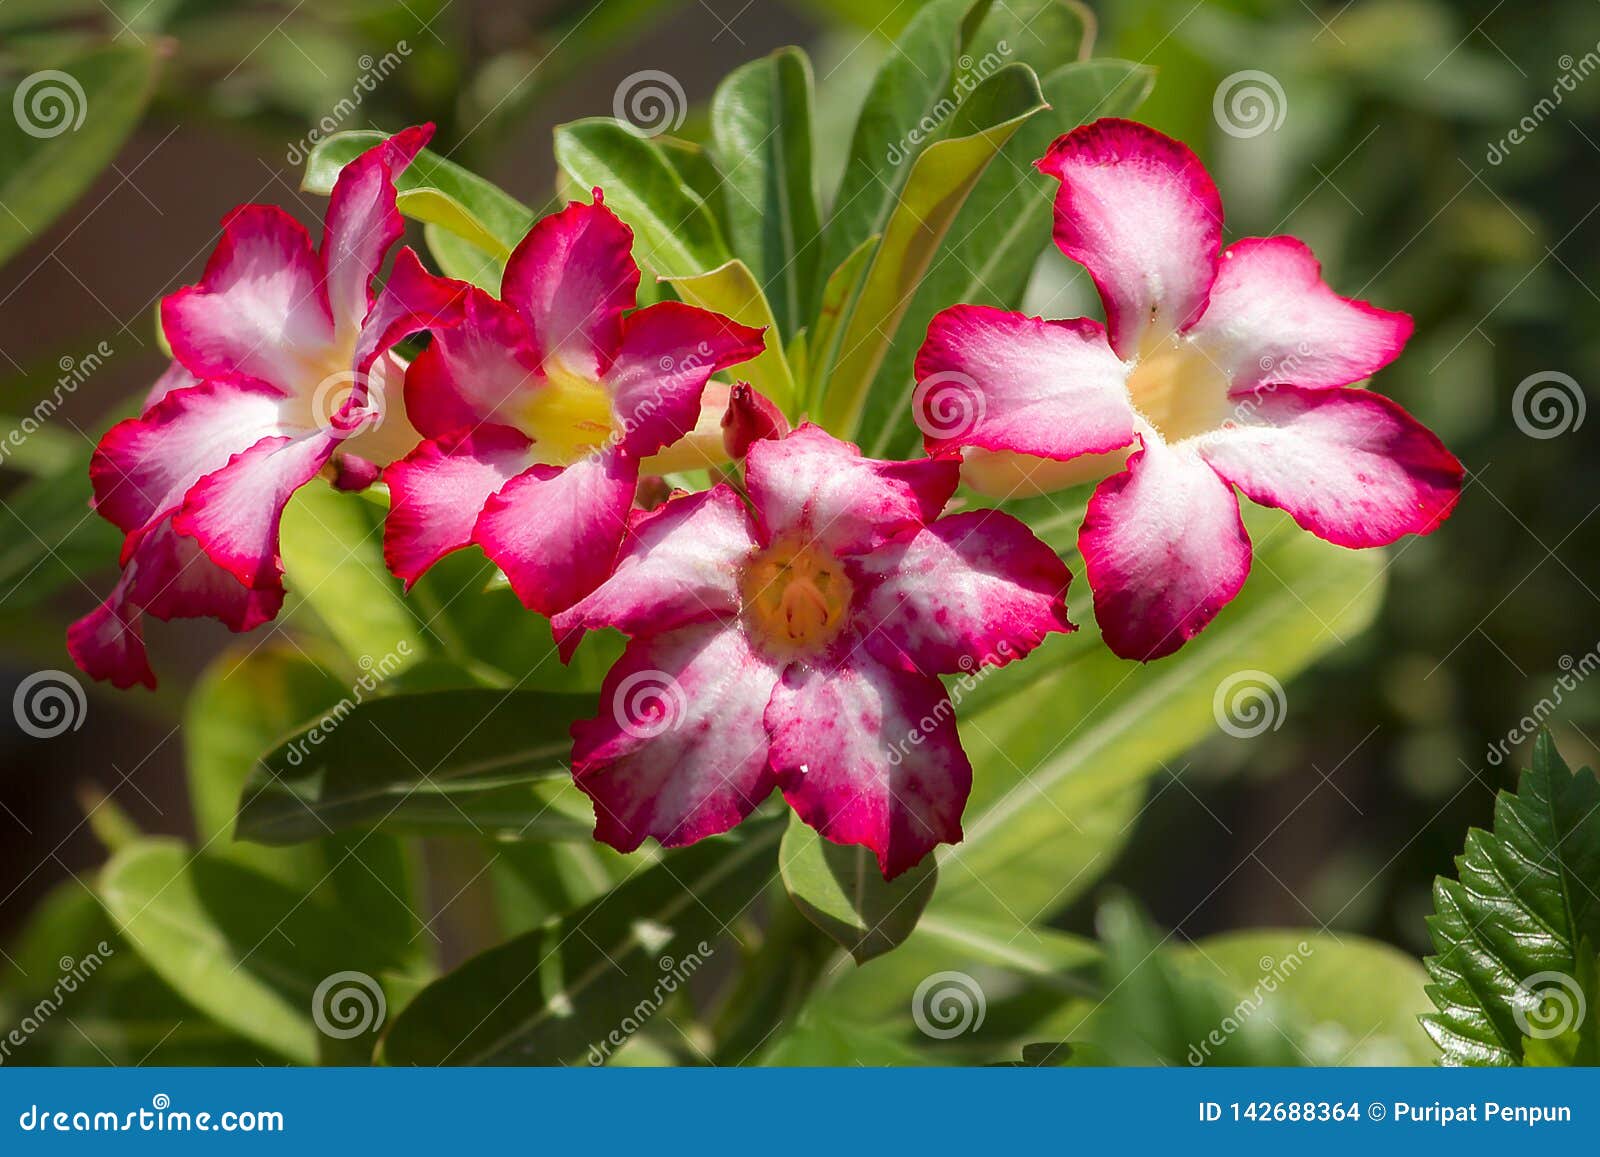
pixel 283 368
pixel 539 407
pixel 1218 368
pixel 796 643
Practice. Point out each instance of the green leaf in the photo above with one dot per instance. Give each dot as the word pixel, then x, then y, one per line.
pixel 246 950
pixel 432 190
pixel 1040 780
pixel 78 109
pixel 842 287
pixel 573 990
pixel 761 126
pixel 673 232
pixel 820 1041
pixel 938 183
pixel 332 545
pixel 989 253
pixel 469 760
pixel 731 290
pixel 841 891
pixel 1355 1001
pixel 49 536
pixel 1558 1036
pixel 1510 932
pixel 463 260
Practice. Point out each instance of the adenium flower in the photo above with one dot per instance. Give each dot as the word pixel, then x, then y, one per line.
pixel 538 408
pixel 796 644
pixel 1218 368
pixel 283 366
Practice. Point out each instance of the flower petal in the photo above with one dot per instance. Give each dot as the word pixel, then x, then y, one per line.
pixel 260 311
pixel 235 512
pixel 143 466
pixel 412 300
pixel 868 754
pixel 571 278
pixel 1350 466
pixel 172 578
pixel 438 490
pixel 972 589
pixel 473 372
pixel 1005 381
pixel 362 223
pixel 108 644
pixel 678 751
pixel 1164 549
pixel 1139 211
pixel 174 377
pixel 667 354
pixel 814 486
pixel 679 564
pixel 1272 319
pixel 555 530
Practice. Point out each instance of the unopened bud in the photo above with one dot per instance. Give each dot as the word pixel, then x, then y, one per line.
pixel 750 417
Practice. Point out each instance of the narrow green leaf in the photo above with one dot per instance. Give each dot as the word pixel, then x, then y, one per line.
pixel 575 989
pixel 841 891
pixel 432 190
pixel 820 1041
pixel 332 546
pixel 1040 780
pixel 939 182
pixel 990 251
pixel 73 113
pixel 464 261
pixel 246 950
pixel 1510 932
pixel 761 126
pixel 49 536
pixel 731 290
pixel 467 760
pixel 674 235
pixel 841 289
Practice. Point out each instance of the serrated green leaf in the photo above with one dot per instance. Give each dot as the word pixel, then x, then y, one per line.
pixel 1509 933
pixel 842 892
pixel 575 989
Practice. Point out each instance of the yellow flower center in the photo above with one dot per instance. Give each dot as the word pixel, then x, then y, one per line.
pixel 795 598
pixel 1179 390
pixel 568 416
